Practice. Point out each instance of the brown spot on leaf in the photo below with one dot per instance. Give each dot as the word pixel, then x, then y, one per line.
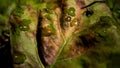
pixel 89 40
pixel 82 44
pixel 49 50
pixel 80 3
pixel 28 7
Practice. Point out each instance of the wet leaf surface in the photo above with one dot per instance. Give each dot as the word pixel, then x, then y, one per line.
pixel 59 34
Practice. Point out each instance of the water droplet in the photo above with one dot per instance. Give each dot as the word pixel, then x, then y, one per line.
pixel 47 31
pixel 24 28
pixel 68 18
pixel 19 58
pixel 74 23
pixel 71 11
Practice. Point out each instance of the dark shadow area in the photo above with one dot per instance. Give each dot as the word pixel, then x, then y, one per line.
pixel 114 61
pixel 39 41
pixel 5 51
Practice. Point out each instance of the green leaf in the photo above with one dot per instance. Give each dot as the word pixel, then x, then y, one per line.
pixel 99 34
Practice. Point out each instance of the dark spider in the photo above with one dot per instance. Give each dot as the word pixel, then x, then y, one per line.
pixel 89 12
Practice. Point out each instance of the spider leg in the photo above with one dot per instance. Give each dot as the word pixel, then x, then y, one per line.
pixel 92 4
